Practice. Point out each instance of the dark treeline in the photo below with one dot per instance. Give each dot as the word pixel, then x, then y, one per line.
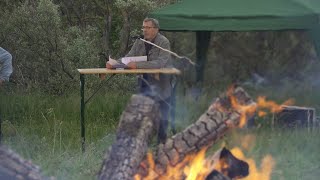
pixel 51 39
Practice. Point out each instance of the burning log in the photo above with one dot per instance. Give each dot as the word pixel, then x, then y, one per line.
pixel 136 127
pixel 137 123
pixel 231 166
pixel 12 166
pixel 228 167
pixel 220 166
pixel 212 125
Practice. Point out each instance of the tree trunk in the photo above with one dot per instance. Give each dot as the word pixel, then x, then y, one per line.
pixel 12 166
pixel 107 12
pixel 138 121
pixel 106 34
pixel 124 33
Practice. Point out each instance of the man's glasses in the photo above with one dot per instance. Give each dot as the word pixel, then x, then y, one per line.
pixel 146 27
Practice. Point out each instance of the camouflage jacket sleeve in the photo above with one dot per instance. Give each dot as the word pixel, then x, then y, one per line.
pixel 157 58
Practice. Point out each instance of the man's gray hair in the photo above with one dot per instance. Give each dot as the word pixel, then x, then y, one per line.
pixel 154 22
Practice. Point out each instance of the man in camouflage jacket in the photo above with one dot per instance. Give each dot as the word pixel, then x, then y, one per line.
pixel 157 87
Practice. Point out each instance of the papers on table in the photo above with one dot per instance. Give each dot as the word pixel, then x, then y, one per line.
pixel 116 65
pixel 127 60
pixel 112 62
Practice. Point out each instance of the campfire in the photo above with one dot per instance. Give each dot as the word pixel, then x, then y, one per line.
pixel 186 155
pixel 183 156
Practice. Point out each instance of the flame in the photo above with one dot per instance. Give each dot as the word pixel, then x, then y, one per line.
pixel 197 167
pixel 262 173
pixel 193 167
pixel 259 106
pixel 274 107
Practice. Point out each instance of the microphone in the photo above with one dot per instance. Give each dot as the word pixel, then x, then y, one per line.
pixel 137 37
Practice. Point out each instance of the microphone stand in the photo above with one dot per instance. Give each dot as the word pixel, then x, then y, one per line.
pixel 173 53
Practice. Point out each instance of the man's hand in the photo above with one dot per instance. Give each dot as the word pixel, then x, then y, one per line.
pixel 108 66
pixel 132 65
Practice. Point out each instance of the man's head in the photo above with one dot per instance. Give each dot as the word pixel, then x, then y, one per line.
pixel 150 28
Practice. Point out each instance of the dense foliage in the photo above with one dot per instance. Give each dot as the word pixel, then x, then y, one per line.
pixel 51 39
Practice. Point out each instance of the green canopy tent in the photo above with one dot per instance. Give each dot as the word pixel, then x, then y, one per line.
pixel 204 16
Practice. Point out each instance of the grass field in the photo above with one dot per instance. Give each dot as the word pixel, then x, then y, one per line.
pixel 295 151
pixel 46 129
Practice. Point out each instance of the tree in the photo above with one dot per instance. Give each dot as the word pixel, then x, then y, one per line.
pixel 46 55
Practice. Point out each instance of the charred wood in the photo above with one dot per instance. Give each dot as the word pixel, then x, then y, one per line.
pixel 216 175
pixel 232 167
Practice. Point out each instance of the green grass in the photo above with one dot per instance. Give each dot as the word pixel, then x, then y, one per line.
pixel 46 129
pixel 295 151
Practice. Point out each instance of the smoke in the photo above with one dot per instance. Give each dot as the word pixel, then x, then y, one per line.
pixel 312 74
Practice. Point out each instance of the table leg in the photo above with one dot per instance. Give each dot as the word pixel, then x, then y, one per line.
pixel 0 130
pixel 173 108
pixel 82 122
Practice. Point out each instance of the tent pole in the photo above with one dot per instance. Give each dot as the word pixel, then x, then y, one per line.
pixel 315 35
pixel 202 45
